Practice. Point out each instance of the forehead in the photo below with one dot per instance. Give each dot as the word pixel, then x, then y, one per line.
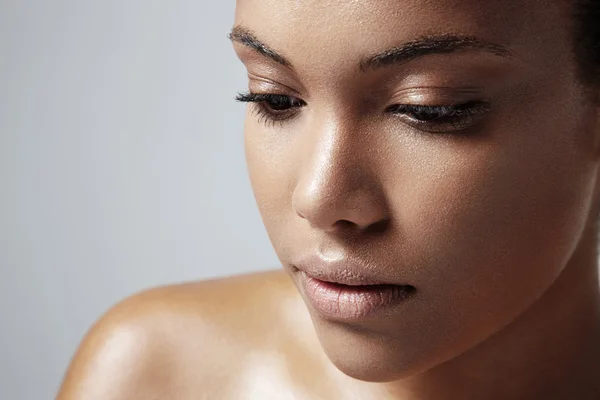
pixel 336 32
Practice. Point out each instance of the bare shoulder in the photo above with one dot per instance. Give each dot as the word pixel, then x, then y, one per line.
pixel 188 341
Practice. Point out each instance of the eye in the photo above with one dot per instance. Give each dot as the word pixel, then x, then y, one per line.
pixel 272 107
pixel 441 118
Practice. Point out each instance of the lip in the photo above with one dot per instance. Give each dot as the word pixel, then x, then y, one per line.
pixel 340 290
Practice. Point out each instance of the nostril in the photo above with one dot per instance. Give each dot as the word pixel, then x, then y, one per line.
pixel 343 225
pixel 378 227
pixel 374 228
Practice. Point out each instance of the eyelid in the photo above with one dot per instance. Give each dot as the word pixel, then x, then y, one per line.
pixel 264 105
pixel 475 106
pixel 437 95
pixel 259 83
pixel 453 118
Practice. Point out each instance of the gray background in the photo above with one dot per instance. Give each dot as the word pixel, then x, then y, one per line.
pixel 121 168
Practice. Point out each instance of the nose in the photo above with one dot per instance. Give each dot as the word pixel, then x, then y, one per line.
pixel 339 188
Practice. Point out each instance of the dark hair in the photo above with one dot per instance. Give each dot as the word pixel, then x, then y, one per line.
pixel 587 39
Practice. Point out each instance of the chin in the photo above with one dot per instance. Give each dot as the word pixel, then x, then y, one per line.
pixel 375 367
pixel 374 357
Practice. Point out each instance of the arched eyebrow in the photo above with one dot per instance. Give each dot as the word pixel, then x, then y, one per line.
pixel 430 45
pixel 422 47
pixel 248 38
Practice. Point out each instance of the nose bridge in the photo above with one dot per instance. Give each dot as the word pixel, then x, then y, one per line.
pixel 336 164
pixel 338 181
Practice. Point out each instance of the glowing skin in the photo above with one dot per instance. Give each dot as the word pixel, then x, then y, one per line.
pixel 482 222
pixel 469 175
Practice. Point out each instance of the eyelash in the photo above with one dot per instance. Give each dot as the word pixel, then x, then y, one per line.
pixel 274 108
pixel 266 106
pixel 447 118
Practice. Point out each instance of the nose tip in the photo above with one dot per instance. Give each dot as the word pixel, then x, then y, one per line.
pixel 332 207
pixel 338 185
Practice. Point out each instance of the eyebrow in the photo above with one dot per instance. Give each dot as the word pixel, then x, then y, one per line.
pixel 247 38
pixel 421 47
pixel 430 45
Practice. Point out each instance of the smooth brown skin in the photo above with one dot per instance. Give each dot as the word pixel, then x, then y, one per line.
pixel 495 228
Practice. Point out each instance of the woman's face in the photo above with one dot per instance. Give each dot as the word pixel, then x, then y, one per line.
pixel 461 163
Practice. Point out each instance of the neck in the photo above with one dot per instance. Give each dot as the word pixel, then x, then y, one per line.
pixel 551 351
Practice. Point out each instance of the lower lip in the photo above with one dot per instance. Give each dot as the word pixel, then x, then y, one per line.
pixel 343 302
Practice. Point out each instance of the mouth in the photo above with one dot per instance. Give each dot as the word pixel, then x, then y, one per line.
pixel 352 302
pixel 339 291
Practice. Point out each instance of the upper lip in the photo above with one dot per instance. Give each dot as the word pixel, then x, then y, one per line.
pixel 344 271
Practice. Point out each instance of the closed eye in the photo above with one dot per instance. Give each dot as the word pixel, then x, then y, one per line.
pixel 272 107
pixel 440 118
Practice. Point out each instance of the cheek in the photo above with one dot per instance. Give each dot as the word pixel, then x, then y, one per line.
pixel 491 233
pixel 270 168
pixel 496 208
